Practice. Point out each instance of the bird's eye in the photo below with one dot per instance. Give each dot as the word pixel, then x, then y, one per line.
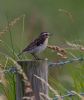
pixel 46 34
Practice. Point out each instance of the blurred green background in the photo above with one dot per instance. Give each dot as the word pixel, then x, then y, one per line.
pixel 43 16
pixel 64 18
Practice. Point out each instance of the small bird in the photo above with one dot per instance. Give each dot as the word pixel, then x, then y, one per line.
pixel 38 45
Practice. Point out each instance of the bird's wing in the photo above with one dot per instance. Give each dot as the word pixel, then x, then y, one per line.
pixel 35 43
pixel 31 46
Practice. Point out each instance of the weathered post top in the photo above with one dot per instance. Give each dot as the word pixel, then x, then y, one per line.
pixel 31 68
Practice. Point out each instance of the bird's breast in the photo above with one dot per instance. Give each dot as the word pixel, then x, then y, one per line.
pixel 46 42
pixel 42 46
pixel 39 48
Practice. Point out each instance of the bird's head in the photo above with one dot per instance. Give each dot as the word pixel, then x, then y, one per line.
pixel 45 34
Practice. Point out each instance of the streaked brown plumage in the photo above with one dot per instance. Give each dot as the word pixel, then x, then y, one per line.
pixel 38 45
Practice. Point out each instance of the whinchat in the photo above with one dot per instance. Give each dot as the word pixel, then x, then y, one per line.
pixel 38 45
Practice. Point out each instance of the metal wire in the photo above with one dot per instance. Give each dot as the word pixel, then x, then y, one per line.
pixel 11 69
pixel 52 64
pixel 69 94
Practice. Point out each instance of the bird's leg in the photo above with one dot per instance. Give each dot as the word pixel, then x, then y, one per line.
pixel 35 56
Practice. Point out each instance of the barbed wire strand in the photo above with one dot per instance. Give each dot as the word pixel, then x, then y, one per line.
pixel 69 94
pixel 52 64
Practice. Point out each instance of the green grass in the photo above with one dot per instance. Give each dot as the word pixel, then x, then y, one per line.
pixel 43 16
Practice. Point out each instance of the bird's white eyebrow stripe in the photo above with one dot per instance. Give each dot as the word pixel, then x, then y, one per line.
pixel 45 33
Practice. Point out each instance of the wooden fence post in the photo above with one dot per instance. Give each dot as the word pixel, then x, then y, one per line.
pixel 37 67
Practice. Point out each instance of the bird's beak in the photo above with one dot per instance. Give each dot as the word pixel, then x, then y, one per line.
pixel 50 34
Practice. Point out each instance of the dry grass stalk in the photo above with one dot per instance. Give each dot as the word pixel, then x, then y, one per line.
pixel 60 51
pixel 28 91
pixel 7 46
pixel 81 97
pixel 54 91
pixel 67 13
pixel 1 66
pixel 82 48
pixel 28 98
pixel 75 46
pixel 45 96
pixel 27 84
pixel 2 97
pixel 2 76
pixel 70 53
pixel 21 72
pixel 11 24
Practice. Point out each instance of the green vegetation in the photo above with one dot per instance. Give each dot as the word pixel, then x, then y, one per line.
pixel 23 20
